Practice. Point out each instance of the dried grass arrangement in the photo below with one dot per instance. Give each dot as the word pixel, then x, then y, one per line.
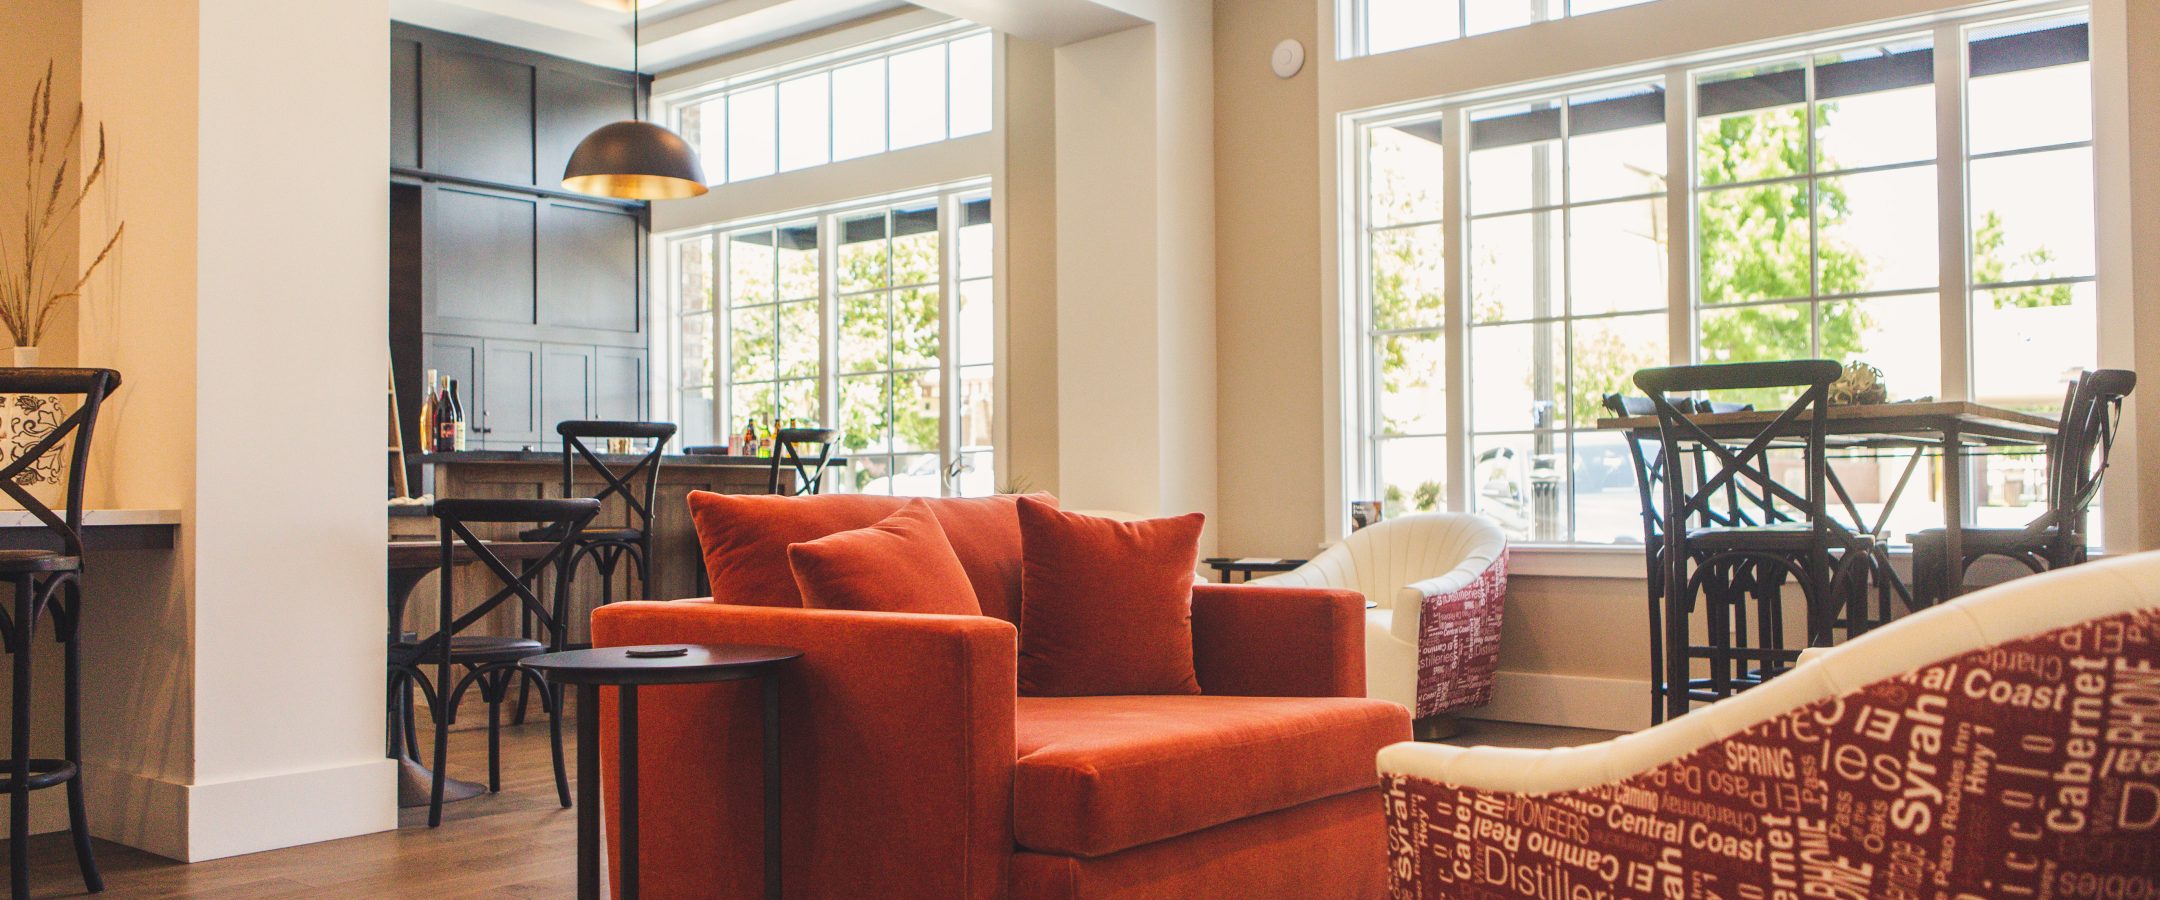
pixel 33 285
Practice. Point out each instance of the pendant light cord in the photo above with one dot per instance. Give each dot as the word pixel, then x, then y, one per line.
pixel 637 78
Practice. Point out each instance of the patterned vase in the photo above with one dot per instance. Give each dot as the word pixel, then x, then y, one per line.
pixel 26 419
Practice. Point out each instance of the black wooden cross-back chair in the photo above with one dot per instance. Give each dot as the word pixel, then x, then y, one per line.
pixel 48 581
pixel 810 469
pixel 1745 554
pixel 489 662
pixel 2077 462
pixel 638 485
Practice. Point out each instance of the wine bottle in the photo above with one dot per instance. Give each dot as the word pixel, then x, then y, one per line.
pixel 457 419
pixel 748 444
pixel 426 433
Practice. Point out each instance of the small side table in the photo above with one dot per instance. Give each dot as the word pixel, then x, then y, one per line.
pixel 1228 566
pixel 695 664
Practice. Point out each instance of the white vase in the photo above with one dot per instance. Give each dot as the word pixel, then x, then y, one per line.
pixel 26 419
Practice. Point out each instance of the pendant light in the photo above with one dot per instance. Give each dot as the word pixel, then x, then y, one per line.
pixel 634 159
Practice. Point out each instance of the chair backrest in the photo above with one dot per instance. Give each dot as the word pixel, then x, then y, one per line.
pixel 2078 457
pixel 1747 468
pixel 637 485
pixel 566 517
pixel 36 413
pixel 809 470
pixel 1383 558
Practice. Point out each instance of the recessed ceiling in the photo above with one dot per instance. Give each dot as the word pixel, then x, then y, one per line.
pixel 673 33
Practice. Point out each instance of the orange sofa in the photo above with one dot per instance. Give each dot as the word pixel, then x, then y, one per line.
pixel 912 768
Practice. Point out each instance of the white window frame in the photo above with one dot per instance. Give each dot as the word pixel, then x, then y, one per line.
pixel 950 199
pixel 671 106
pixel 1356 412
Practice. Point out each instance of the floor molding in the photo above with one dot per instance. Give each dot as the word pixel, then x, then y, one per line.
pixel 1570 701
pixel 195 822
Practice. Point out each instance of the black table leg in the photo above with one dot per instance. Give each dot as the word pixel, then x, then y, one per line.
pixel 772 786
pixel 626 766
pixel 588 791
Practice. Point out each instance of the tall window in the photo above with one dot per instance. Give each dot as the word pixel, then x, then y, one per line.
pixel 1381 26
pixel 917 91
pixel 1810 228
pixel 858 316
pixel 1815 213
pixel 1567 299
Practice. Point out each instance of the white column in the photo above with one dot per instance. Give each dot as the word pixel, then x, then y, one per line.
pixel 1136 265
pixel 235 690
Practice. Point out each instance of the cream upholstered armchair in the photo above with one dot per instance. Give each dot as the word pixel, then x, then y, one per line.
pixel 1433 642
pixel 2004 744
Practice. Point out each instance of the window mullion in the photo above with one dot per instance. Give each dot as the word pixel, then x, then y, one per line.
pixel 828 319
pixel 1455 181
pixel 1680 237
pixel 1954 280
pixel 948 359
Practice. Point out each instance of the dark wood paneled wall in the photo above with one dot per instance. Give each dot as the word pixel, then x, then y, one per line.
pixel 533 298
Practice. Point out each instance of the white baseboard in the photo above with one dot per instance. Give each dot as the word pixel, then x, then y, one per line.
pixel 196 822
pixel 1572 701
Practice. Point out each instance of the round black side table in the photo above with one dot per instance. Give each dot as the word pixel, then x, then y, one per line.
pixel 626 668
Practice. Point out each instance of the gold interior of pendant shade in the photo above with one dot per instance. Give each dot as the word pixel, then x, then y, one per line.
pixel 634 187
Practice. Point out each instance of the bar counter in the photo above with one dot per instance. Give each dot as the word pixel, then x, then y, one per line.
pixel 676 563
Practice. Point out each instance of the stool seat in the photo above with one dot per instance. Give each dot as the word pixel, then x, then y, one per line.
pixel 487 648
pixel 584 535
pixel 1782 537
pixel 14 562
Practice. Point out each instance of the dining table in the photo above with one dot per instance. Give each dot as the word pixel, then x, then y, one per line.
pixel 1956 430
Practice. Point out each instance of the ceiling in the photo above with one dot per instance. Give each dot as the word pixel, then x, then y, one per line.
pixel 673 33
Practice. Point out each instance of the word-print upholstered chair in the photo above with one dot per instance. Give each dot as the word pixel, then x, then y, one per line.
pixel 1432 642
pixel 2006 744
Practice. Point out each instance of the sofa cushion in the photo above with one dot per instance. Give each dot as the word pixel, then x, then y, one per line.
pixel 1106 606
pixel 901 564
pixel 745 539
pixel 1097 775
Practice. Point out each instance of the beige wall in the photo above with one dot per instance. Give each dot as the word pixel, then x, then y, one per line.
pixel 1267 282
pixel 34 33
pixel 1026 198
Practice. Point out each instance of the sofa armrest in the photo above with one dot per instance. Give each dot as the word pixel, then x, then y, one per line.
pixel 896 747
pixel 1264 641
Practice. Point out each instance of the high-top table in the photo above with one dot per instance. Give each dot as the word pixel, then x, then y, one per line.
pixel 1948 427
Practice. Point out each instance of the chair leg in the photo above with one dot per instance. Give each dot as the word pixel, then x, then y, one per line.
pixel 442 756
pixel 412 730
pixel 78 814
pixel 552 700
pixel 19 743
pixel 494 698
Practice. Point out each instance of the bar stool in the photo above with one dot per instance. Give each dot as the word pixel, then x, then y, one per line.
pixel 48 581
pixel 809 470
pixel 1747 555
pixel 489 662
pixel 638 486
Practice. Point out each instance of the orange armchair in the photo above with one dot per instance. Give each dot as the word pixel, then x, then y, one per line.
pixel 910 767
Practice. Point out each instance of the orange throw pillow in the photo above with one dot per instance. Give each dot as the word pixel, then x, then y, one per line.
pixel 901 564
pixel 1105 606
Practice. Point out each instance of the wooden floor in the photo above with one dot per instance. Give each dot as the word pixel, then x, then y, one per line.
pixel 519 843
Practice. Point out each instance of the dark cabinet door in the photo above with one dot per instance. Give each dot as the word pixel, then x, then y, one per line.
pixel 567 385
pixel 588 267
pixel 570 107
pixel 509 395
pixel 480 255
pixel 458 359
pixel 405 104
pixel 620 375
pixel 476 115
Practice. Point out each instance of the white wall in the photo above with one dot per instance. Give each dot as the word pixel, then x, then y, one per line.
pixel 238 703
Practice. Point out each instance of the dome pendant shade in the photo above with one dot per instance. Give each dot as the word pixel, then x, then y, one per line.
pixel 634 161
